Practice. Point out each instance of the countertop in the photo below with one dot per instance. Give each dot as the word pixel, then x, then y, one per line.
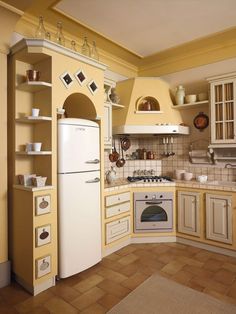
pixel 209 185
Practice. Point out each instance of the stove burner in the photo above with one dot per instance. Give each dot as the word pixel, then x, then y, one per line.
pixel 150 179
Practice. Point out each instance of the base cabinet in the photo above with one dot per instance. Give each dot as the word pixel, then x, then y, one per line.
pixel 117 229
pixel 219 218
pixel 189 213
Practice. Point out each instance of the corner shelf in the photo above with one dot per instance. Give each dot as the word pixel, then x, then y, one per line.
pixel 33 86
pixel 148 112
pixel 33 153
pixel 33 188
pixel 30 119
pixel 190 105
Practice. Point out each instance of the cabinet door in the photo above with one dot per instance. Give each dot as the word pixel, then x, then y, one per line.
pixel 223 105
pixel 107 125
pixel 188 213
pixel 219 218
pixel 117 229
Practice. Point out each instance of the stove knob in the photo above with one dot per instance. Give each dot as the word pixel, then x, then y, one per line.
pixel 152 180
pixel 156 180
pixel 148 180
pixel 161 196
pixel 144 180
pixel 146 196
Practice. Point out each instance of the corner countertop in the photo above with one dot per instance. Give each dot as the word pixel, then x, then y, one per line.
pixel 209 185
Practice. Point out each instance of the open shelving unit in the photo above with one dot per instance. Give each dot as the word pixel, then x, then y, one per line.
pixel 191 105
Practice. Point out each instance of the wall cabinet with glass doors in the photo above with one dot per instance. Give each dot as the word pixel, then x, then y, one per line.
pixel 223 105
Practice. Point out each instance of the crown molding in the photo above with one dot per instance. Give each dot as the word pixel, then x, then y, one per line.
pixel 11 8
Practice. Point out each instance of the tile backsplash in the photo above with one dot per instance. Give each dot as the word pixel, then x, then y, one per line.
pixel 167 165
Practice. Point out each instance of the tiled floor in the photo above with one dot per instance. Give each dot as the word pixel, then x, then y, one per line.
pixel 98 289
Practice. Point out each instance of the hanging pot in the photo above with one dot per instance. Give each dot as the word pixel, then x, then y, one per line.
pixel 125 143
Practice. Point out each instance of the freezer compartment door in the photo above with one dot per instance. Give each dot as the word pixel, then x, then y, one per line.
pixel 78 148
pixel 79 222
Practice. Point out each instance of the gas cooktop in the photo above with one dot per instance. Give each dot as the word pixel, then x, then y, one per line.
pixel 161 179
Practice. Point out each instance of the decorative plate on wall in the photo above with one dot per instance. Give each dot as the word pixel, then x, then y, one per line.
pixel 201 121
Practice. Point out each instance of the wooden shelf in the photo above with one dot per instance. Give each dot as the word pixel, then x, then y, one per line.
pixel 31 119
pixel 33 153
pixel 148 112
pixel 33 188
pixel 33 86
pixel 190 105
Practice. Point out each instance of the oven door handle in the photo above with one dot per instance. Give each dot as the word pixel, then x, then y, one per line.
pixel 153 203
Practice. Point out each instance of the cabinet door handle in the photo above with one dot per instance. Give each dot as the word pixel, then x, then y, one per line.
pixel 94 161
pixel 93 181
pixel 153 203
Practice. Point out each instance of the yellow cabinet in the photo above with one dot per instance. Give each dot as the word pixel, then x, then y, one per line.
pixel 219 218
pixel 189 213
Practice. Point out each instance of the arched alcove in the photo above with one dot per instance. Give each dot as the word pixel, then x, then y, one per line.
pixel 78 105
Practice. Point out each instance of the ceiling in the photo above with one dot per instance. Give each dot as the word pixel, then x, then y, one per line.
pixel 145 27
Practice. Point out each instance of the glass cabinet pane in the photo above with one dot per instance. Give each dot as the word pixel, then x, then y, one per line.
pixel 219 112
pixel 229 130
pixel 229 111
pixel 218 93
pixel 219 131
pixel 228 91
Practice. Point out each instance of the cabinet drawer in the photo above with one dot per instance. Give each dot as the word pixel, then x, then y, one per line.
pixel 117 229
pixel 117 198
pixel 117 209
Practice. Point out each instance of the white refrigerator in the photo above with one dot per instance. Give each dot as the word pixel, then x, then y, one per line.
pixel 78 195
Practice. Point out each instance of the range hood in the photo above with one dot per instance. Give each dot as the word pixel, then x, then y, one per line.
pixel 147 130
pixel 134 120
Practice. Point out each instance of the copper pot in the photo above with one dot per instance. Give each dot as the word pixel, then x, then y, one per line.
pixel 32 75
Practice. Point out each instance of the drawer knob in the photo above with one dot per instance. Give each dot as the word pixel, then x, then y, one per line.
pixel 118 199
pixel 119 210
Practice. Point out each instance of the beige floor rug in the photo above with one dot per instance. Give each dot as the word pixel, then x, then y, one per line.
pixel 159 295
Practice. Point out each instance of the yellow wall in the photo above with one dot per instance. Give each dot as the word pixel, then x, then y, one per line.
pixel 8 20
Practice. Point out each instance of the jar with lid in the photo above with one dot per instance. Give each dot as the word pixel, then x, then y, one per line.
pixel 85 49
pixel 179 95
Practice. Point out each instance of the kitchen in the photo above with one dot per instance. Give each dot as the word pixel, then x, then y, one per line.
pixel 129 91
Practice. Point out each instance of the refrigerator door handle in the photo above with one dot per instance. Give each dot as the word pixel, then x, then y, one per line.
pixel 93 181
pixel 94 161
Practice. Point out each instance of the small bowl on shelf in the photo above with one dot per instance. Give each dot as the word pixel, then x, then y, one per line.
pixel 202 179
pixel 188 176
pixel 39 181
pixel 202 96
pixel 190 99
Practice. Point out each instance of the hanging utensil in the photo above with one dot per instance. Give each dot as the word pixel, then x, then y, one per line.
pixel 125 143
pixel 119 163
pixel 122 159
pixel 113 156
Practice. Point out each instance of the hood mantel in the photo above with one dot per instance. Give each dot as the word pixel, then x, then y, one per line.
pixel 130 92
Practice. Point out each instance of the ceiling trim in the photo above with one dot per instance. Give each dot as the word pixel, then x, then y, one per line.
pixel 11 8
pixel 53 7
pixel 198 52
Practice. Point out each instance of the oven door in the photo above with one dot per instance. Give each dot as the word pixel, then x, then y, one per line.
pixel 154 215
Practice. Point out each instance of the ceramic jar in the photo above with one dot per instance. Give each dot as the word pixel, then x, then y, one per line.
pixel 110 175
pixel 179 95
pixel 114 97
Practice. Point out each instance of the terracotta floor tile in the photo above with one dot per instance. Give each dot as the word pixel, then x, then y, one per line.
pixel 130 269
pixel 88 298
pixel 114 288
pixel 198 271
pixel 212 264
pixel 94 309
pixel 113 257
pixel 230 267
pixel 134 281
pixel 109 300
pixel 114 265
pixel 39 310
pixel 102 285
pixel 173 267
pixel 203 256
pixel 14 294
pixel 210 284
pixel 232 291
pixel 88 283
pixel 190 261
pixel 126 250
pixel 34 302
pixel 128 259
pixel 182 277
pixel 66 292
pixel 224 276
pixel 113 275
pixel 59 306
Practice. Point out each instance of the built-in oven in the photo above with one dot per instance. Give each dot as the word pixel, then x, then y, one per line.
pixel 153 211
